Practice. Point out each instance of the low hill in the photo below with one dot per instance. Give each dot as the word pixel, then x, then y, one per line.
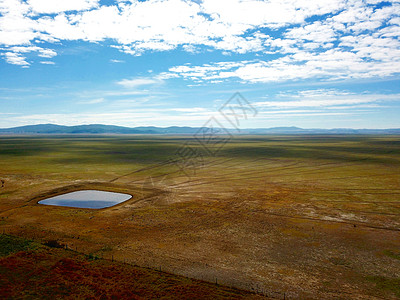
pixel 53 129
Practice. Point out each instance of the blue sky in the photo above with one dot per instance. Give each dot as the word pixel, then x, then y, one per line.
pixel 305 63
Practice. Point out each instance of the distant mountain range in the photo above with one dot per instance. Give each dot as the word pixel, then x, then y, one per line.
pixel 53 129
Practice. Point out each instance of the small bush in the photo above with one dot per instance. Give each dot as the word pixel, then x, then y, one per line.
pixel 91 256
pixel 54 244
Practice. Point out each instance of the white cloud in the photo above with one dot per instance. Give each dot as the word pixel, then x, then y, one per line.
pixel 164 117
pixel 137 117
pixel 42 52
pixel 47 53
pixel 317 32
pixel 190 110
pixel 156 25
pixel 57 6
pixel 369 61
pixel 117 93
pixel 14 56
pixel 137 82
pixel 326 99
pixel 191 49
pixel 273 13
pixel 15 59
pixel 16 28
pixel 349 39
pixel 46 62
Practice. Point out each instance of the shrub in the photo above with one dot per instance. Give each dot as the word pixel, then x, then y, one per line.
pixel 54 244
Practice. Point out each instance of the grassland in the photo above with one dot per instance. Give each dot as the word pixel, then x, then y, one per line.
pixel 308 216
pixel 65 274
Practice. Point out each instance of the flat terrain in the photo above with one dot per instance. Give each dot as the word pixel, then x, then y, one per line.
pixel 308 216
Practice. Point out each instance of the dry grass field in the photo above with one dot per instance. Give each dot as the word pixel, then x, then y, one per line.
pixel 30 270
pixel 300 216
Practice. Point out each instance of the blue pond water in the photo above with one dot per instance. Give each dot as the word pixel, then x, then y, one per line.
pixel 87 199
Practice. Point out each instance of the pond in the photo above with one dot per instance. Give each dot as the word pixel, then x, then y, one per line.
pixel 87 199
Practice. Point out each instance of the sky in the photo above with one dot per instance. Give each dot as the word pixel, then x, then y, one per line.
pixel 305 63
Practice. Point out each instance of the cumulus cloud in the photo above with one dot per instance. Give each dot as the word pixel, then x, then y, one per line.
pixel 332 64
pixel 57 6
pixel 343 39
pixel 15 59
pixel 16 55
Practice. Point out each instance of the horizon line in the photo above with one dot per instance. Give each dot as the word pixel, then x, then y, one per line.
pixel 188 126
